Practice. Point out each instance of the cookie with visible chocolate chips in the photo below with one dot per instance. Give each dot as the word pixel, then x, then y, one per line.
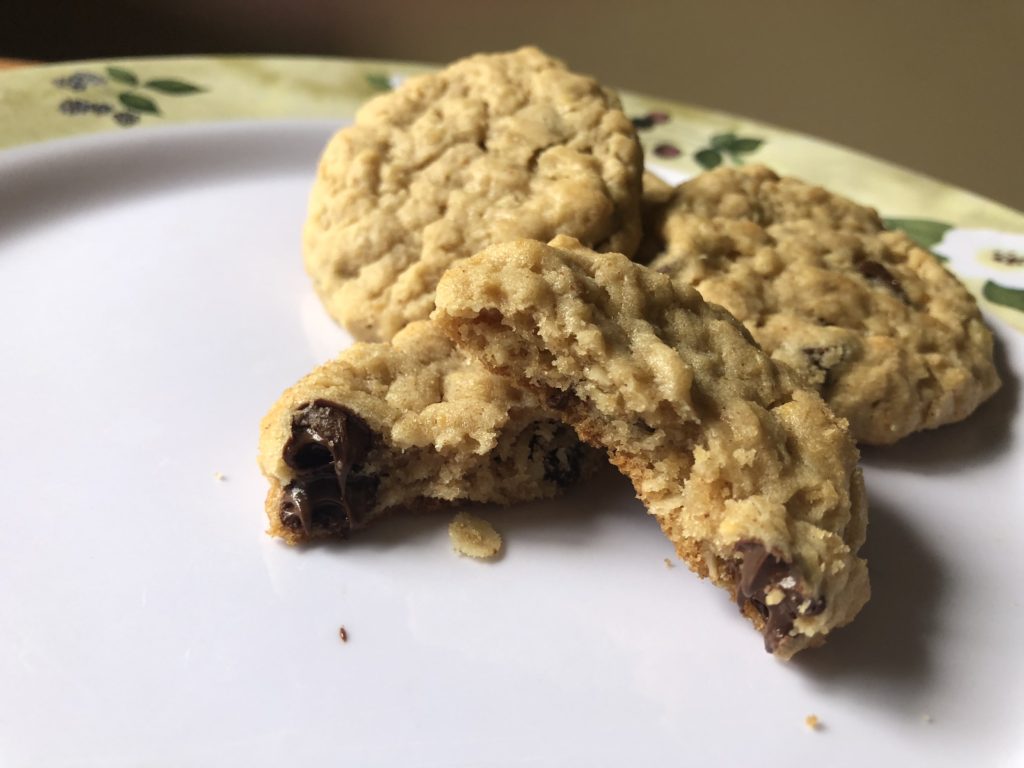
pixel 750 475
pixel 894 343
pixel 406 425
pixel 492 148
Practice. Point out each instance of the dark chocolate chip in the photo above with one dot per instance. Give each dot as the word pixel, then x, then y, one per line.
pixel 309 455
pixel 877 273
pixel 559 399
pixel 330 495
pixel 816 606
pixel 761 607
pixel 761 572
pixel 562 465
pixel 294 512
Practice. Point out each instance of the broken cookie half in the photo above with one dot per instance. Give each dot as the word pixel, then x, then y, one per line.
pixel 750 475
pixel 409 424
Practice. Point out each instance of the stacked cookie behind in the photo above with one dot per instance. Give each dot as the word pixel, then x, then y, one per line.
pixel 750 474
pixel 894 343
pixel 493 148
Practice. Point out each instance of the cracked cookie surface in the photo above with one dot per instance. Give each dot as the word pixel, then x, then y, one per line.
pixel 492 148
pixel 892 341
pixel 750 475
pixel 406 424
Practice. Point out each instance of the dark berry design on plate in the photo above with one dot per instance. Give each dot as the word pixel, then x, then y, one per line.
pixel 667 151
pixel 126 119
pixel 79 81
pixel 134 104
pixel 83 107
pixel 648 121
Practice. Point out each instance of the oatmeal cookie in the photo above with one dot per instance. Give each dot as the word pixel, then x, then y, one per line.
pixel 891 340
pixel 495 147
pixel 406 424
pixel 753 479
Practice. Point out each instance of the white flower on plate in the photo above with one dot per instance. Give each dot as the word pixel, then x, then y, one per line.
pixel 985 254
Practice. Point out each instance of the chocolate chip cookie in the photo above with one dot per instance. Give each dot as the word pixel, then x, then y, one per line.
pixel 492 148
pixel 891 340
pixel 406 424
pixel 751 476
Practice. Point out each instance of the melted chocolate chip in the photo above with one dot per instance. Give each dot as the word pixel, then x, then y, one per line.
pixel 760 607
pixel 761 573
pixel 877 273
pixel 330 495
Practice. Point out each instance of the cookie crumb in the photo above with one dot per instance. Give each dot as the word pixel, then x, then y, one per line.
pixel 220 476
pixel 669 563
pixel 927 718
pixel 812 722
pixel 473 536
pixel 343 634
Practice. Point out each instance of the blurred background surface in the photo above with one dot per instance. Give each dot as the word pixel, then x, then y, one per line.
pixel 935 85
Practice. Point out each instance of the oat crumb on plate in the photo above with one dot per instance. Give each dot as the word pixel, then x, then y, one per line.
pixel 669 563
pixel 473 536
pixel 343 634
pixel 812 722
pixel 220 476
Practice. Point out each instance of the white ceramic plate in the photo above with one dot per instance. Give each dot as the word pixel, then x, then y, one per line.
pixel 153 306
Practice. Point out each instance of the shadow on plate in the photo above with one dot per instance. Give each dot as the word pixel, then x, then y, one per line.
pixel 885 651
pixel 975 440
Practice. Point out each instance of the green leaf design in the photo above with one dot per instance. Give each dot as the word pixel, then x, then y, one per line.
pixel 746 145
pixel 138 103
pixel 121 75
pixel 723 141
pixel 708 158
pixel 378 81
pixel 172 87
pixel 1006 297
pixel 924 232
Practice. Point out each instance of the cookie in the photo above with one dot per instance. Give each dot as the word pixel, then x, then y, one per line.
pixel 492 148
pixel 891 340
pixel 406 425
pixel 751 476
pixel 473 536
